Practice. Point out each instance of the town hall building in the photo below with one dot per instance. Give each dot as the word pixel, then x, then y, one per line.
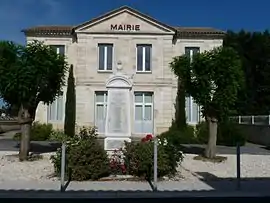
pixel 124 84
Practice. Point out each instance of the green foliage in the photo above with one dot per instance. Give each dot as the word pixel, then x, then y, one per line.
pixel 139 158
pixel 213 79
pixel 39 132
pixel 177 137
pixel 86 158
pixel 228 134
pixel 180 121
pixel 254 51
pixel 30 74
pixel 70 115
pixel 58 136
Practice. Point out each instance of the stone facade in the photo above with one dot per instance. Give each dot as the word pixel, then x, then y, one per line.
pixel 81 50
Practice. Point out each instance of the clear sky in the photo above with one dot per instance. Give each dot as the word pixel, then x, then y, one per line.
pixel 229 14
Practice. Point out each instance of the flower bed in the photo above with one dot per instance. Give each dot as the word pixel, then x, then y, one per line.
pixel 87 160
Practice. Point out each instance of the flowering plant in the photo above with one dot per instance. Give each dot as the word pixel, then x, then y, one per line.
pixel 147 138
pixel 117 163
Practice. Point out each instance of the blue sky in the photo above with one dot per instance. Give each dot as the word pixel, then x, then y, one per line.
pixel 230 14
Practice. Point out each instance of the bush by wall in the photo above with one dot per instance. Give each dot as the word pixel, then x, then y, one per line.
pixel 229 134
pixel 39 132
pixel 177 137
pixel 86 158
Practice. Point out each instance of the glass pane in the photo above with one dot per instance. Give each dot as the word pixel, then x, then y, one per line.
pixel 101 57
pixel 148 97
pixel 195 113
pixel 148 58
pixel 105 111
pixel 194 50
pixel 61 50
pixel 148 113
pixel 106 96
pixel 100 112
pixel 109 57
pixel 138 113
pixel 59 103
pixel 187 51
pixel 99 97
pixel 139 58
pixel 138 97
pixel 52 111
pixel 188 109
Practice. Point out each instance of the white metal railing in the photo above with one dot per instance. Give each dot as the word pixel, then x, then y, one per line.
pixel 253 120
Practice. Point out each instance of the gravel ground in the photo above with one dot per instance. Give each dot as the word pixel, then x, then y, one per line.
pixel 252 166
pixel 11 169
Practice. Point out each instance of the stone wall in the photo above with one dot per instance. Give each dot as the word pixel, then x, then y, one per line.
pixel 257 134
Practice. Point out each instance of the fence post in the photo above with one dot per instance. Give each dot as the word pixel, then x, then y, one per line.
pixel 268 119
pixel 63 167
pixel 155 162
pixel 238 166
pixel 239 119
pixel 252 120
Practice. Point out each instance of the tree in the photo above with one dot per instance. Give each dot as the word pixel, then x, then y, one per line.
pixel 213 79
pixel 70 114
pixel 29 75
pixel 180 122
pixel 254 51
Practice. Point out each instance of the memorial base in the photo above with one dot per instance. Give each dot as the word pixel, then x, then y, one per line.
pixel 111 143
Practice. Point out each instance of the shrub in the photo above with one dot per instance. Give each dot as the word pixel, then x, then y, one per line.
pixel 139 158
pixel 39 132
pixel 58 136
pixel 177 137
pixel 228 134
pixel 86 158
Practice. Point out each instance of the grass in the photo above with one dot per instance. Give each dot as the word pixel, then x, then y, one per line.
pixel 216 159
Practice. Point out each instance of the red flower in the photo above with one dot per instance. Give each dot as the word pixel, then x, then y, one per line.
pixel 149 137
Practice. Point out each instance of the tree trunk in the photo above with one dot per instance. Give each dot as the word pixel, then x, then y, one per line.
pixel 210 151
pixel 25 121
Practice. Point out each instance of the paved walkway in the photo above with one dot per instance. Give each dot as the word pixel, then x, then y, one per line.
pixel 253 186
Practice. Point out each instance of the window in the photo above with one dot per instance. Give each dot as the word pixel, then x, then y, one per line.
pixel 144 58
pixel 193 112
pixel 60 49
pixel 143 112
pixel 56 109
pixel 100 110
pixel 105 57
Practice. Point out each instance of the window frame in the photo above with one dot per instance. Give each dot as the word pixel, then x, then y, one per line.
pixel 55 102
pixel 104 103
pixel 143 104
pixel 144 57
pixel 105 62
pixel 57 46
pixel 189 109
